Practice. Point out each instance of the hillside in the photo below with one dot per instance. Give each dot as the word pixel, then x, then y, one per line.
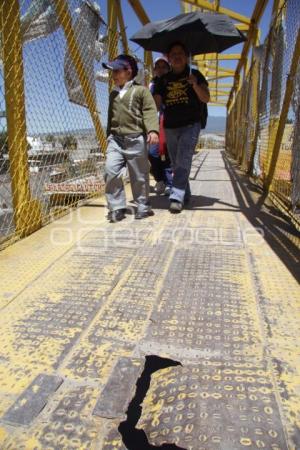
pixel 215 124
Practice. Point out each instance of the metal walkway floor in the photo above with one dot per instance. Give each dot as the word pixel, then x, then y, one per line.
pixel 213 288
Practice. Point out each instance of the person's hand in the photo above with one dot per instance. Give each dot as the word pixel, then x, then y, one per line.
pixel 192 79
pixel 152 138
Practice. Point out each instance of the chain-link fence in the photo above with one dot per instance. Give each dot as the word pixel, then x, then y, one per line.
pixel 267 105
pixel 53 108
pixel 54 99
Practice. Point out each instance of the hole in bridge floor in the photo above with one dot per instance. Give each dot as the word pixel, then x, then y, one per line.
pixel 133 438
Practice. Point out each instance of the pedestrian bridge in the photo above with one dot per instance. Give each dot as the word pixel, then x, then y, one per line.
pixel 215 289
pixel 173 332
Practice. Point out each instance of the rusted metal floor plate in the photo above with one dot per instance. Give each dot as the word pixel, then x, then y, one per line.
pixel 205 287
pixel 208 303
pixel 215 405
pixel 121 385
pixel 32 400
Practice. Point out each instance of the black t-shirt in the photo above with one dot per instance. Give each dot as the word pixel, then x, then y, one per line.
pixel 181 104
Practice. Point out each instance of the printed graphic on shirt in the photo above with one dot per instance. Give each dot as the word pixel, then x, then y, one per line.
pixel 177 92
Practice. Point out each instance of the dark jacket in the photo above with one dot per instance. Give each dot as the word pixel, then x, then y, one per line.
pixel 134 113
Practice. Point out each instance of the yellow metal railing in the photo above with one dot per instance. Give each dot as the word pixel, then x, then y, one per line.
pixel 54 98
pixel 53 109
pixel 26 210
pixel 65 19
pixel 267 104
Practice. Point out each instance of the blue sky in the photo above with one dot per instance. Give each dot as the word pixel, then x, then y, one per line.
pixel 47 106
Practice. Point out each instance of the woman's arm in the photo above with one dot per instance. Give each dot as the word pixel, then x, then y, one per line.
pixel 201 90
pixel 158 101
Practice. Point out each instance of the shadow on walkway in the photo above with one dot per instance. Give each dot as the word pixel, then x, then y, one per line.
pixel 196 202
pixel 279 233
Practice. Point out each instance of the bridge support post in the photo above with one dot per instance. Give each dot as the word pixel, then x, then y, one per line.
pixel 27 211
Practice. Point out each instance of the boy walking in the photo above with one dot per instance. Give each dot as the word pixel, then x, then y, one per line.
pixel 132 124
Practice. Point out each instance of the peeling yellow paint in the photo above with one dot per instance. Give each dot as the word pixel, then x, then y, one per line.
pixel 39 334
pixel 3 434
pixel 33 444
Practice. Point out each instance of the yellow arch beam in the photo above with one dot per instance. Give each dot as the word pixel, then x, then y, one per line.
pixel 65 19
pixel 122 27
pixel 218 92
pixel 211 7
pixel 221 70
pixel 217 57
pixel 139 10
pixel 144 18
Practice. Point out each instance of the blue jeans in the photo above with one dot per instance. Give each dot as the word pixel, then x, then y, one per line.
pixel 181 144
pixel 161 170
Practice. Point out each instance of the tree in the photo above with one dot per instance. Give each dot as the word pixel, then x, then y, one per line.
pixel 69 142
pixel 50 138
pixel 3 143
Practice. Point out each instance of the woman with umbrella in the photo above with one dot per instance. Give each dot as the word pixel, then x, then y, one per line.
pixel 184 93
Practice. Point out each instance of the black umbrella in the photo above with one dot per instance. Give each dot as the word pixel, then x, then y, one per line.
pixel 200 33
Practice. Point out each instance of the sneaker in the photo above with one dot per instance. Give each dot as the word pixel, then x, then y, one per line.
pixel 159 188
pixel 116 216
pixel 167 191
pixel 175 206
pixel 144 214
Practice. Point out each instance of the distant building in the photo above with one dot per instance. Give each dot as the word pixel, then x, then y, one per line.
pixel 39 145
pixel 87 146
pixel 43 153
pixel 211 140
